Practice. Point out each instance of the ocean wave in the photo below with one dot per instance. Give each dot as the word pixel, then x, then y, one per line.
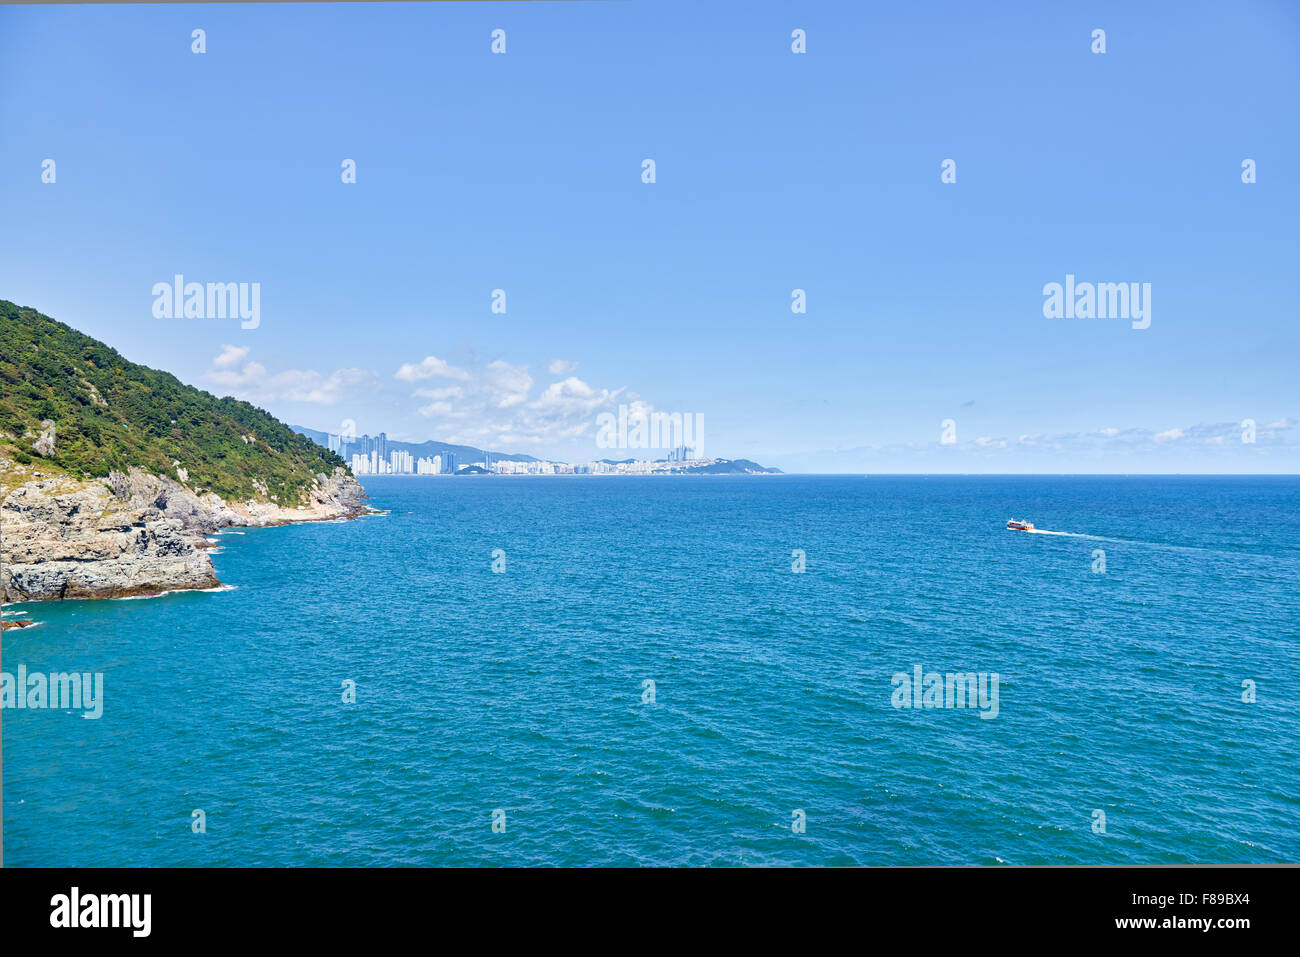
pixel 174 591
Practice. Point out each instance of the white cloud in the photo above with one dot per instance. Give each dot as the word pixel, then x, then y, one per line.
pixel 450 392
pixel 1104 442
pixel 561 367
pixel 253 382
pixel 429 367
pixel 571 396
pixel 495 404
pixel 509 385
pixel 434 409
pixel 230 357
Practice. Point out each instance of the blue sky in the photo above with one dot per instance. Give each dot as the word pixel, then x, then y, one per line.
pixel 775 171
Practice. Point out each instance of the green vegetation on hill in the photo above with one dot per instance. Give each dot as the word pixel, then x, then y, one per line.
pixel 111 414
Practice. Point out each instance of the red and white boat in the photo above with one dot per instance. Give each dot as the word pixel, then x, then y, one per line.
pixel 1019 526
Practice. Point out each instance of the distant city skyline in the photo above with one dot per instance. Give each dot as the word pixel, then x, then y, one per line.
pixel 371 455
pixel 990 247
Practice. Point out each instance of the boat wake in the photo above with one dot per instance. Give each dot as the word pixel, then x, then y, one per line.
pixel 1103 538
pixel 1169 546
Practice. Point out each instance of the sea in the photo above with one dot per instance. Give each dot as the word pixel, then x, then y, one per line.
pixel 661 671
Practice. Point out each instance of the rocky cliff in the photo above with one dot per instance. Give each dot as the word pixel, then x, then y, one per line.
pixel 130 534
pixel 112 473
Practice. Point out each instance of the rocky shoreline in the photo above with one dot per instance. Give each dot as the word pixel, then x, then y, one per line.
pixel 132 534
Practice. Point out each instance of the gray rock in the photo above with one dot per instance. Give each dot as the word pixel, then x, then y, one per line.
pixel 132 534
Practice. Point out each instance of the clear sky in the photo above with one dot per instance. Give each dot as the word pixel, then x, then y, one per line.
pixel 775 171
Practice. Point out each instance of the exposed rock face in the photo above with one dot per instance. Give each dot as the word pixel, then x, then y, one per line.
pixel 134 534
pixel 44 445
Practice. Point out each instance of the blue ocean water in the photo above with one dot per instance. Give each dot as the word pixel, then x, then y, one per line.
pixel 522 691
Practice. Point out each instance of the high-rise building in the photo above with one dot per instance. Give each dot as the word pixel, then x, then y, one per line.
pixel 449 463
pixel 401 461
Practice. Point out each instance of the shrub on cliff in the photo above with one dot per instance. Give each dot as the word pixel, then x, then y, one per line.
pixel 111 414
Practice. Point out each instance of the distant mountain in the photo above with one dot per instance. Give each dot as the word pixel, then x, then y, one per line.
pixel 73 401
pixel 465 454
pixel 731 467
pixel 718 467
